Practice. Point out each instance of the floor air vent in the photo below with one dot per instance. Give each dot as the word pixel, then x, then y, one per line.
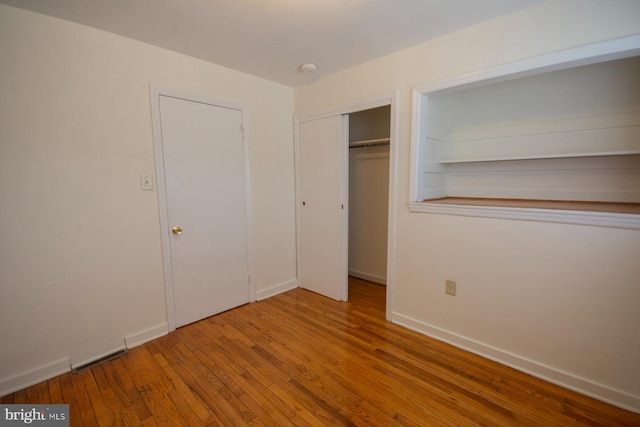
pixel 88 365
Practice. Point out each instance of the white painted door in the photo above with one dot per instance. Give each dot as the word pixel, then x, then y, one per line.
pixel 322 246
pixel 204 170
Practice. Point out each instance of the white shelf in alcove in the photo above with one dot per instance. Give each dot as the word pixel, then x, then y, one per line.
pixel 542 157
pixel 533 141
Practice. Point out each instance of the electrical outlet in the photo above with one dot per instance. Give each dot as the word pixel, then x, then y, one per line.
pixel 450 287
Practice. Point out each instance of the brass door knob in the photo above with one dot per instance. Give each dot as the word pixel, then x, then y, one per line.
pixel 176 230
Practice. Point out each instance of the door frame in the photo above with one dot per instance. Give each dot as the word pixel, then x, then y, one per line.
pixel 155 93
pixel 388 98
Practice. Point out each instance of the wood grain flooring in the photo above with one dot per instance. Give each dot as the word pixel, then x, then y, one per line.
pixel 304 360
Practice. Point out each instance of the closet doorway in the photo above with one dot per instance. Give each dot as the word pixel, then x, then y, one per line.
pixel 349 153
pixel 369 138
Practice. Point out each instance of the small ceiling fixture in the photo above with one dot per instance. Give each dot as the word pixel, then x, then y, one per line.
pixel 308 67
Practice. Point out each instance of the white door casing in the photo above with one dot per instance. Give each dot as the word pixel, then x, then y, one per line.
pixel 202 169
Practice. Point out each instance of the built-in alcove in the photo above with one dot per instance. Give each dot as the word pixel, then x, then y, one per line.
pixel 533 135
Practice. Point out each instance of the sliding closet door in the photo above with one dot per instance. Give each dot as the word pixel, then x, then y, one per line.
pixel 322 219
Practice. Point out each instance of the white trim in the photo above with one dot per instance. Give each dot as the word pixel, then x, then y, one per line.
pixel 418 106
pixel 344 200
pixel 248 205
pixel 276 289
pixel 155 93
pixel 599 219
pixel 347 108
pixel 34 376
pixel 548 373
pixel 146 335
pixel 393 202
pixel 298 195
pixel 162 203
pixel 388 98
pixel 368 277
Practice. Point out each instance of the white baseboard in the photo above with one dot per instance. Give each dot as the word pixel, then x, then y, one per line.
pixel 147 335
pixel 277 289
pixel 564 379
pixel 34 376
pixel 53 369
pixel 369 277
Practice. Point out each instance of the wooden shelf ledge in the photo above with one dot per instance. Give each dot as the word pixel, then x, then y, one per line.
pixel 599 214
pixel 613 207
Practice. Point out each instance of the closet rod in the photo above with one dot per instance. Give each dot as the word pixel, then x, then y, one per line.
pixel 373 144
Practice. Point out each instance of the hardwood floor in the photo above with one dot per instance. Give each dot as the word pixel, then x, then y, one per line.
pixel 304 360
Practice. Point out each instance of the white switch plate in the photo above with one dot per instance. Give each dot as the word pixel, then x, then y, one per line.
pixel 146 181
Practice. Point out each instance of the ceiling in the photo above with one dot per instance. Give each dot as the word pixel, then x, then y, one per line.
pixel 272 38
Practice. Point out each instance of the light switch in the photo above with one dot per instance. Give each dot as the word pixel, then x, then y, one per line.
pixel 146 181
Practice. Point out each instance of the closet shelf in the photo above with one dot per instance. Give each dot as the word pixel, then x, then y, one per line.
pixel 542 156
pixel 369 143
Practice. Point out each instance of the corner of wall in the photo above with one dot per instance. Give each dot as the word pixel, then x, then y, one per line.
pixel 276 289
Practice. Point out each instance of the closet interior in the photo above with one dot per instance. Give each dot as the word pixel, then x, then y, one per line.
pixel 369 138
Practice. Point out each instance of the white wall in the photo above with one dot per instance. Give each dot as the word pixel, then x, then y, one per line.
pixel 559 301
pixel 80 253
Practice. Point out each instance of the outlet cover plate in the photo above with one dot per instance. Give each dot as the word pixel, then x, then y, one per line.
pixel 450 287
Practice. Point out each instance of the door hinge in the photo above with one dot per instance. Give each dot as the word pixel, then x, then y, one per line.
pixel 248 279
